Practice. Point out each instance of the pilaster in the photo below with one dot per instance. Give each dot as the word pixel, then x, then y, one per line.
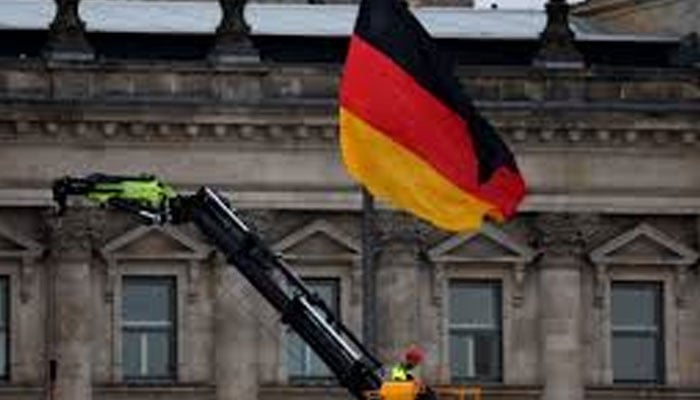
pixel 398 275
pixel 235 335
pixel 70 305
pixel 561 244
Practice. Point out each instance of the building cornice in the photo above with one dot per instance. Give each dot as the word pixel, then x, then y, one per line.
pixel 348 198
pixel 574 131
pixel 279 131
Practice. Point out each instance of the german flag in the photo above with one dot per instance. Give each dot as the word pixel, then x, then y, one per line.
pixel 410 134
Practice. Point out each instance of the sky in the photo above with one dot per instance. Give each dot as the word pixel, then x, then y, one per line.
pixel 514 3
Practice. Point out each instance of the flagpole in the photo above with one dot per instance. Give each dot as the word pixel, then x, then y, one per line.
pixel 369 274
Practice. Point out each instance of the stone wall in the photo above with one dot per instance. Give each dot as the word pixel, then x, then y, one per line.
pixel 555 269
pixel 610 155
pixel 679 17
pixel 586 136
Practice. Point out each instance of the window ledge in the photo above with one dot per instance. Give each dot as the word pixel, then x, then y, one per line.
pixel 519 392
pixel 301 387
pixel 500 390
pixel 640 390
pixel 7 388
pixel 313 382
pixel 155 387
pixel 276 392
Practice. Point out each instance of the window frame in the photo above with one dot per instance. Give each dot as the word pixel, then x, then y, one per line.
pixel 149 327
pixel 305 379
pixel 6 327
pixel 496 285
pixel 658 333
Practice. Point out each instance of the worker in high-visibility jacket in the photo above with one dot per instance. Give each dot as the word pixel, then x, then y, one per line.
pixel 402 382
pixel 402 371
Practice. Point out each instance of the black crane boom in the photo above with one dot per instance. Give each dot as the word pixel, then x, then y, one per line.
pixel 305 313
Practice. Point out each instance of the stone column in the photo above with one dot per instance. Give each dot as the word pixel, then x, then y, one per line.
pixel 235 336
pixel 71 305
pixel 67 41
pixel 561 243
pixel 30 315
pixel 398 285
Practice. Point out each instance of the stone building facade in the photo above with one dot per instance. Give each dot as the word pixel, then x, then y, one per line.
pixel 591 292
pixel 647 16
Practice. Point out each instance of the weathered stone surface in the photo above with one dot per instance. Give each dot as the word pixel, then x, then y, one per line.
pixel 678 16
pixel 69 313
pixel 602 149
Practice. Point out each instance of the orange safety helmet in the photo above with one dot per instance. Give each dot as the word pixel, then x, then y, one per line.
pixel 414 355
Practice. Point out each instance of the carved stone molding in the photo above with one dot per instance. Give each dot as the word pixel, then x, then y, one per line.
pixel 564 234
pixel 154 243
pixel 265 222
pixel 438 282
pixel 71 235
pixel 193 277
pixel 682 284
pixel 332 244
pixel 400 227
pixel 600 282
pixel 608 136
pixel 26 252
pixel 488 246
pixel 111 278
pixel 659 250
pixel 259 133
pixel 356 282
pixel 324 133
pixel 27 277
pixel 322 243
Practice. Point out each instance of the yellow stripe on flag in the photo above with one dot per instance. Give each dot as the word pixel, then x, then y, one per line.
pixel 395 174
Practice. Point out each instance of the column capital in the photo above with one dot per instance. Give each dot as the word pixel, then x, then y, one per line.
pixel 391 227
pixel 73 234
pixel 265 222
pixel 563 235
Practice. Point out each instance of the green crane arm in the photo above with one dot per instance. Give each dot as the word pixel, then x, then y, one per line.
pixel 145 195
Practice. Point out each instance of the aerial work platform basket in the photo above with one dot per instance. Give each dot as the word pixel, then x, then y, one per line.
pixel 412 390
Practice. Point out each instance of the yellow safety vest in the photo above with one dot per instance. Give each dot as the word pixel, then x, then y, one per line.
pixel 398 373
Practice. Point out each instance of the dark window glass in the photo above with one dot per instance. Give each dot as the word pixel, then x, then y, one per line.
pixel 475 331
pixel 637 332
pixel 147 299
pixel 148 328
pixel 303 365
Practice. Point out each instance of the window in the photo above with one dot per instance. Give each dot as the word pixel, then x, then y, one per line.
pixel 302 362
pixel 4 328
pixel 148 328
pixel 475 331
pixel 637 333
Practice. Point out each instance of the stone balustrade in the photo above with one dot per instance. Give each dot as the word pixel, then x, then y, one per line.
pixel 287 104
pixel 172 83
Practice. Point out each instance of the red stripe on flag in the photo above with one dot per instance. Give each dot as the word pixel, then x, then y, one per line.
pixel 381 93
